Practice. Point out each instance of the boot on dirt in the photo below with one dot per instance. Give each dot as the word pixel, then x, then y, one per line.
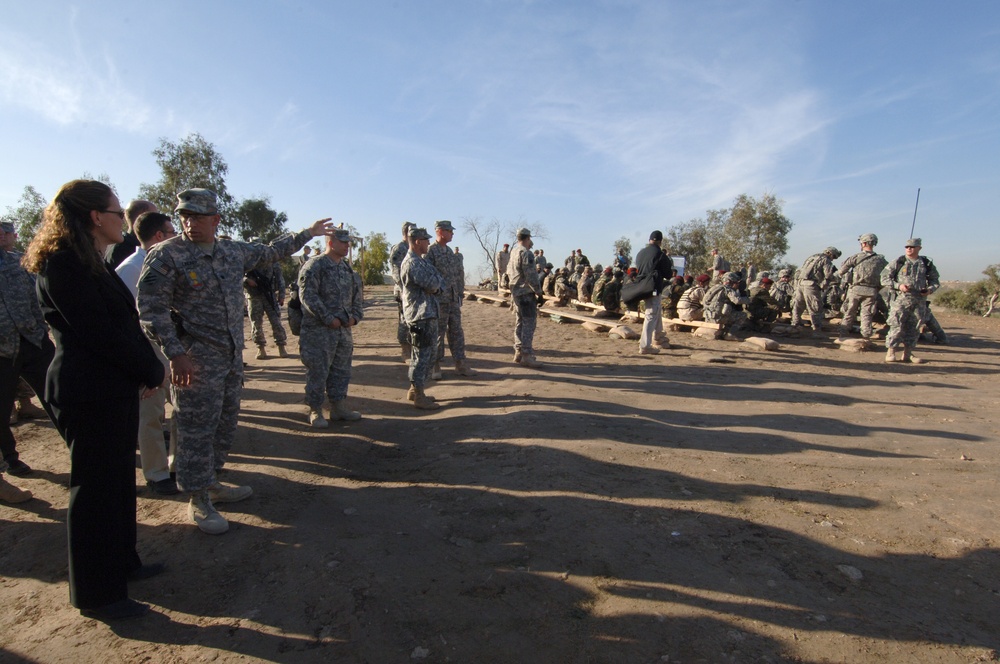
pixel 11 494
pixel 517 357
pixel 436 371
pixel 228 493
pixel 26 410
pixel 890 354
pixel 412 394
pixel 340 411
pixel 281 351
pixel 204 514
pixel 463 369
pixel 908 356
pixel 261 353
pixel 316 419
pixel 422 401
pixel 528 360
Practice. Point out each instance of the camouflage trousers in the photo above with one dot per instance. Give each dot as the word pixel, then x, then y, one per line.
pixel 402 329
pixel 525 319
pixel 258 306
pixel 863 299
pixel 731 321
pixel 206 413
pixel 905 317
pixel 326 354
pixel 450 325
pixel 423 339
pixel 808 300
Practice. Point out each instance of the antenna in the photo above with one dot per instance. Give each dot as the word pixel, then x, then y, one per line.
pixel 914 224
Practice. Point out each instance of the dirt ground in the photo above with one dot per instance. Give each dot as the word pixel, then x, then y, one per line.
pixel 805 505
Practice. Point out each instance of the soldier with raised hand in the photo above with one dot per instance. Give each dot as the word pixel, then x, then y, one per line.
pixel 191 303
pixel 450 299
pixel 331 307
pixel 862 273
pixel 911 277
pixel 264 289
pixel 421 282
pixel 395 261
pixel 815 274
pixel 526 293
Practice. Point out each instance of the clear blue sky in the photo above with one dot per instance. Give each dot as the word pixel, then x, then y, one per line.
pixel 596 119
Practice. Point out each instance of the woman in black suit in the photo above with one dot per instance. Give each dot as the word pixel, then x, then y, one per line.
pixel 102 361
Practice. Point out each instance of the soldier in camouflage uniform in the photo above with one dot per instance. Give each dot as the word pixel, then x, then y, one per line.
pixel 762 310
pixel 421 282
pixel 862 273
pixel 784 290
pixel 912 278
pixel 525 292
pixel 25 352
pixel 265 294
pixel 449 299
pixel 395 260
pixel 691 305
pixel 500 262
pixel 814 276
pixel 331 307
pixel 191 303
pixel 724 304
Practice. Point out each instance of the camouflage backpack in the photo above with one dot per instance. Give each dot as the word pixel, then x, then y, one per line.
pixel 715 301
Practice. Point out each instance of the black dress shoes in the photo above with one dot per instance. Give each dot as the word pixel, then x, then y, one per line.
pixel 120 610
pixel 18 468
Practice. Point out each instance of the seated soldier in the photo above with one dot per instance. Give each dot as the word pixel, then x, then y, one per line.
pixel 762 310
pixel 611 296
pixel 724 304
pixel 563 291
pixel 599 285
pixel 783 291
pixel 690 306
pixel 573 278
pixel 549 282
pixel 672 295
pixel 585 286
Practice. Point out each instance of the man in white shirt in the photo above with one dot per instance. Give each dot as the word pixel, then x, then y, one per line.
pixel 151 228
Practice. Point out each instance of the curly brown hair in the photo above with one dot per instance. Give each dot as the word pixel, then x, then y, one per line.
pixel 66 224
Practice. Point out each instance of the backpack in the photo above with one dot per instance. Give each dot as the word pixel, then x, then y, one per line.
pixel 715 301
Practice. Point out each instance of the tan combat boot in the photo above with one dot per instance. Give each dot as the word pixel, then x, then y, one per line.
pixel 281 351
pixel 261 353
pixel 890 354
pixel 528 360
pixel 422 401
pixel 316 419
pixel 11 494
pixel 908 356
pixel 463 368
pixel 204 514
pixel 517 357
pixel 340 411
pixel 412 394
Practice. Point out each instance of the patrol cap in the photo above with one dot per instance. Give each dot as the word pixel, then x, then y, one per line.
pixel 342 234
pixel 914 242
pixel 733 276
pixel 832 252
pixel 197 201
pixel 8 227
pixel 407 225
pixel 444 225
pixel 785 273
pixel 869 238
pixel 523 233
pixel 419 234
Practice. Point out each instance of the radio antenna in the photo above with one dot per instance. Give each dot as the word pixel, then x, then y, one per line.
pixel 914 224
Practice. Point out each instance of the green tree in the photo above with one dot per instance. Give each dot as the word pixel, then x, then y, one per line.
pixel 751 230
pixel 973 299
pixel 191 163
pixel 254 217
pixel 373 263
pixel 26 216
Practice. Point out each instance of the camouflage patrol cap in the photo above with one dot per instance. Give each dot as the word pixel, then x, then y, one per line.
pixel 832 252
pixel 733 277
pixel 8 227
pixel 419 234
pixel 444 225
pixel 342 234
pixel 523 233
pixel 407 225
pixel 197 201
pixel 914 242
pixel 785 274
pixel 869 238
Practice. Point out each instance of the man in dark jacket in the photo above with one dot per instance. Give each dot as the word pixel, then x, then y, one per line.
pixel 653 263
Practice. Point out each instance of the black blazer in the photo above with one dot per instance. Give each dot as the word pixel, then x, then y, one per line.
pixel 101 352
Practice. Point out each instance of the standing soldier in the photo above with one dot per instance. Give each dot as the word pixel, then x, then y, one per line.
pixel 264 288
pixel 862 273
pixel 526 293
pixel 191 303
pixel 813 277
pixel 331 307
pixel 450 298
pixel 421 282
pixel 395 260
pixel 500 262
pixel 911 278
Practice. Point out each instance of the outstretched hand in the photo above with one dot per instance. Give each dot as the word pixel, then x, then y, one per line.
pixel 322 227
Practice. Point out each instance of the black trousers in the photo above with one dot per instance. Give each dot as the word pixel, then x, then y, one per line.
pixel 101 520
pixel 30 363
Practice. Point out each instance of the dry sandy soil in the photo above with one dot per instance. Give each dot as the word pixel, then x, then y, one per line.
pixel 806 505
